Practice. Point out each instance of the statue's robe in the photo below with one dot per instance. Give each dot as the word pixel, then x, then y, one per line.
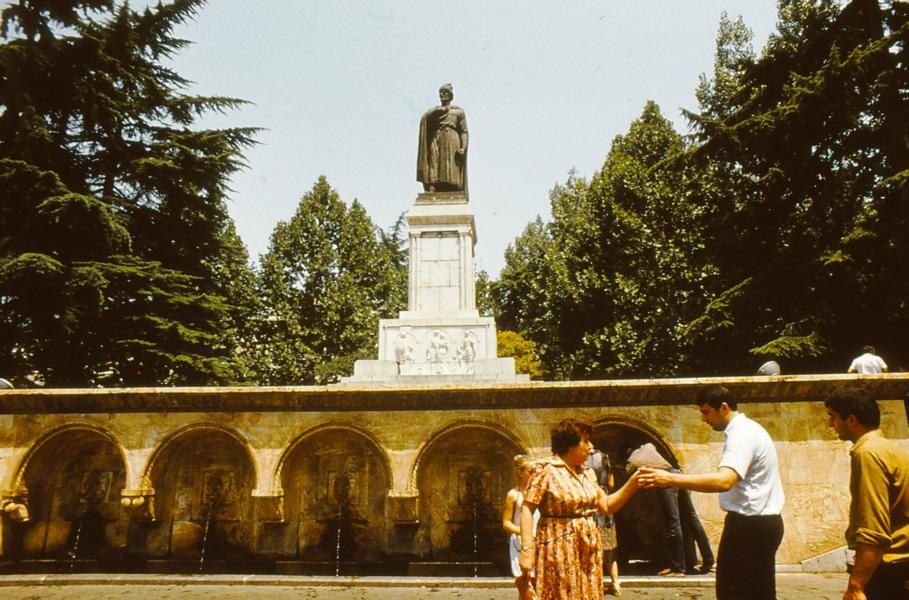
pixel 440 138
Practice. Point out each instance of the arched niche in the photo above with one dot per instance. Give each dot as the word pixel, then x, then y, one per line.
pixel 335 481
pixel 203 476
pixel 639 525
pixel 463 474
pixel 73 478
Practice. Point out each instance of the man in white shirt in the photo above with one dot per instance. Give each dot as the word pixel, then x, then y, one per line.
pixel 868 363
pixel 751 493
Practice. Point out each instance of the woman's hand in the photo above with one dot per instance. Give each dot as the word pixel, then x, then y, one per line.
pixel 634 482
pixel 526 558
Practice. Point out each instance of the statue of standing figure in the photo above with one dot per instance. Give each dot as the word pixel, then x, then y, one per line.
pixel 442 149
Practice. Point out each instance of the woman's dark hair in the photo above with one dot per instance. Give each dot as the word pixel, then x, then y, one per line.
pixel 568 433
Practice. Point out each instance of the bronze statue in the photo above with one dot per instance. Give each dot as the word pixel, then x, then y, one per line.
pixel 442 149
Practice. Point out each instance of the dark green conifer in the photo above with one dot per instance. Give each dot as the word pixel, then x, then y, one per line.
pixel 115 203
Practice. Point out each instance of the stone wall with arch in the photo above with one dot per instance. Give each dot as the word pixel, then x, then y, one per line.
pixel 70 479
pixel 639 525
pixel 144 470
pixel 335 479
pixel 201 477
pixel 461 475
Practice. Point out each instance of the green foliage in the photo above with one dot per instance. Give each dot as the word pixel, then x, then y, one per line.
pixel 110 203
pixel 234 280
pixel 525 293
pixel 734 53
pixel 78 310
pixel 780 229
pixel 792 346
pixel 809 149
pixel 510 343
pixel 485 302
pixel 603 289
pixel 325 281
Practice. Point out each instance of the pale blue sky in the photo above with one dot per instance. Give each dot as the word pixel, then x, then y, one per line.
pixel 546 85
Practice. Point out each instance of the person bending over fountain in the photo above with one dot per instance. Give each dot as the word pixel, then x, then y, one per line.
pixel 566 551
pixel 511 523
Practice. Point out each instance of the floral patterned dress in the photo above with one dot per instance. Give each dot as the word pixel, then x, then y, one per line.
pixel 569 552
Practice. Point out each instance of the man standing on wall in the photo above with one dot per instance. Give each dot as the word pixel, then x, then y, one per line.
pixel 878 528
pixel 869 363
pixel 751 493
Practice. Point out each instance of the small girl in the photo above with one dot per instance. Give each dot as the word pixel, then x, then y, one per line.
pixel 511 519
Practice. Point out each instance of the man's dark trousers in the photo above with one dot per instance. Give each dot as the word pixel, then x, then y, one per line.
pixel 746 560
pixel 675 543
pixel 889 582
pixel 694 534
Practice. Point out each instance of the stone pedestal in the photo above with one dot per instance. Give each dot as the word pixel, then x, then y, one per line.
pixel 441 335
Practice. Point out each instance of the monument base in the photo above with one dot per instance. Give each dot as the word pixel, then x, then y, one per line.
pixel 441 337
pixel 436 348
pixel 387 372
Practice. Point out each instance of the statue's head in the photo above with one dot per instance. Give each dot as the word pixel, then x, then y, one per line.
pixel 446 94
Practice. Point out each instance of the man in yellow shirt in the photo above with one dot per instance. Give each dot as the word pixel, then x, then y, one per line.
pixel 879 512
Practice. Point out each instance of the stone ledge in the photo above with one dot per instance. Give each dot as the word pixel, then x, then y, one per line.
pixel 441 198
pixel 451 212
pixel 441 395
pixel 833 561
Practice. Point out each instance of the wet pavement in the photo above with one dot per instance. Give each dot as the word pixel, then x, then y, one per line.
pixel 790 586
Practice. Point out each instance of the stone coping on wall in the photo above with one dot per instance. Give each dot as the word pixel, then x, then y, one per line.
pixel 448 396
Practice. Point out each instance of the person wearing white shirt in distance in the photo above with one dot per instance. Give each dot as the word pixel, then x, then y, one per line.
pixel 869 363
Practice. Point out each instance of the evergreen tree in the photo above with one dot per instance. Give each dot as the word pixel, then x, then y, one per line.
pixel 78 309
pixel 101 130
pixel 325 281
pixel 810 239
pixel 734 54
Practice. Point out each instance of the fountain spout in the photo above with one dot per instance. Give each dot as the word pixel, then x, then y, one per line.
pixel 17 511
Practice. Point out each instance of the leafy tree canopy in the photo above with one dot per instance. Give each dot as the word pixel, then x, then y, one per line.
pixel 510 343
pixel 327 278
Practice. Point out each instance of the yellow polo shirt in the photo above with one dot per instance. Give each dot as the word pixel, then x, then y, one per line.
pixel 879 484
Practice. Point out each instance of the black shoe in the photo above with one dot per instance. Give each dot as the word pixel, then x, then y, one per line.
pixel 707 568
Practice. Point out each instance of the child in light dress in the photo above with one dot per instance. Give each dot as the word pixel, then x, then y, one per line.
pixel 511 519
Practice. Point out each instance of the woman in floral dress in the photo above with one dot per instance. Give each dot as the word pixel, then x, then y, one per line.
pixel 567 550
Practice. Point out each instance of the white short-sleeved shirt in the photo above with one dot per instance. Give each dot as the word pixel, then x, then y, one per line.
pixel 750 452
pixel 868 364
